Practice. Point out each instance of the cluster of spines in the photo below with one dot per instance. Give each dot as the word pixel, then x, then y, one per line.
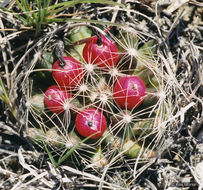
pixel 128 128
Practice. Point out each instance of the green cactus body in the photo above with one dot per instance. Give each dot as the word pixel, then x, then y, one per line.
pixel 98 159
pixel 127 126
pixel 149 49
pixel 37 103
pixel 47 60
pixel 36 135
pixel 114 142
pixel 132 149
pixel 143 127
pixel 43 72
pixel 136 149
pixel 152 97
pixel 146 59
pixel 77 34
pixel 73 53
pixel 72 140
pixel 127 40
pixel 53 138
pixel 76 105
pixel 128 47
pixel 46 65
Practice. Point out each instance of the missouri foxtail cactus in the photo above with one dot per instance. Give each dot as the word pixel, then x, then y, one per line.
pixel 106 94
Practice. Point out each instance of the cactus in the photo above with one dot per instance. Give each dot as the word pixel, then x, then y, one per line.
pixel 98 160
pixel 37 103
pixel 54 139
pixel 127 123
pixel 36 135
pixel 77 34
pixel 132 149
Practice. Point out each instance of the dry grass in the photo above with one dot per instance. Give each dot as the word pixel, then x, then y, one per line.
pixel 170 154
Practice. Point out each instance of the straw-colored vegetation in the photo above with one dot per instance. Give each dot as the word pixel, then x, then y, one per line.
pixel 149 140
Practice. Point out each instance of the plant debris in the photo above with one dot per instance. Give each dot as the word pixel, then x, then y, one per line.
pixel 166 151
